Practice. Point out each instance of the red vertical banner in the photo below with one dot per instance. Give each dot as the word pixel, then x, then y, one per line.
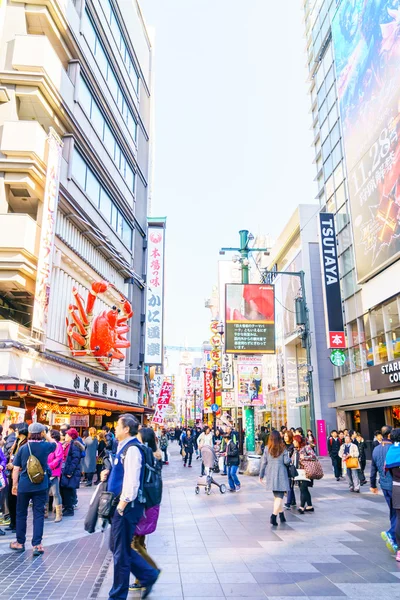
pixel 207 388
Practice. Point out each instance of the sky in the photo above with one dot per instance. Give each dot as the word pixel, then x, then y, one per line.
pixel 232 138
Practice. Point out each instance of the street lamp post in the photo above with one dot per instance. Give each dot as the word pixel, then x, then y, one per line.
pixel 214 376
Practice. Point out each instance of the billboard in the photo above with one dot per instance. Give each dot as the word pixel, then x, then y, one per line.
pixel 249 319
pixel 367 53
pixel 330 273
pixel 153 354
pixel 250 384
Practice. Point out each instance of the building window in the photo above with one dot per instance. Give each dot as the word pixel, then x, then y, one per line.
pixel 95 115
pixel 89 183
pixel 108 73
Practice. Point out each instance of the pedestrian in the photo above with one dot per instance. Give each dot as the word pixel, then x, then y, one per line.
pixel 291 496
pixel 311 439
pixel 393 462
pixel 362 458
pixel 164 446
pixel 109 437
pixel 90 459
pixel 124 483
pixel 55 461
pixel 101 454
pixel 334 444
pixel 378 438
pixel 38 446
pixel 188 446
pixel 217 439
pixel 263 437
pixel 274 465
pixel 10 439
pixel 3 482
pixel 148 523
pixel 20 440
pixel 385 481
pixel 349 454
pixel 71 471
pixel 205 439
pixel 341 436
pixel 232 461
pixel 302 453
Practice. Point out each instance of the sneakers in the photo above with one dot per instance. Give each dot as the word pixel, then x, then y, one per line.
pixel 147 590
pixel 232 490
pixel 238 488
pixel 190 466
pixel 390 543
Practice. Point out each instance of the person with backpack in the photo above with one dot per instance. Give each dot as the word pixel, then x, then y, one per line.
pixel 164 446
pixel 232 462
pixel 70 471
pixel 126 483
pixel 334 444
pixel 31 460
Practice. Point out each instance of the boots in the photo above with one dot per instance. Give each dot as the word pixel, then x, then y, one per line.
pixel 273 521
pixel 58 514
pixel 282 517
pixel 46 511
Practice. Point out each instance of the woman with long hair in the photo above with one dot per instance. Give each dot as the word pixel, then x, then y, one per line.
pixel 90 460
pixel 148 522
pixel 291 497
pixel 274 464
pixel 302 453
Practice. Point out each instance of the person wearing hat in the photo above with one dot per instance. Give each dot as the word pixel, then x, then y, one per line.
pixel 71 470
pixel 39 445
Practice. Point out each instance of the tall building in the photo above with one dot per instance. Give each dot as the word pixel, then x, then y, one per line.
pixel 352 53
pixel 74 150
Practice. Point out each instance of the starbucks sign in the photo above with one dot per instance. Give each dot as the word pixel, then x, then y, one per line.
pixel 385 376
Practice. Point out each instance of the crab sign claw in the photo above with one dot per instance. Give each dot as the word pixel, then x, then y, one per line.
pixel 98 287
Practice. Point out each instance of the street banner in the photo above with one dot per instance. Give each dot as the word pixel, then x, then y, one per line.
pixel 45 258
pixel 367 47
pixel 163 401
pixel 227 372
pixel 250 389
pixel 153 354
pixel 331 281
pixel 208 391
pixel 249 319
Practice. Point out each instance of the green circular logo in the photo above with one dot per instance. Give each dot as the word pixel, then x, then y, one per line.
pixel 338 358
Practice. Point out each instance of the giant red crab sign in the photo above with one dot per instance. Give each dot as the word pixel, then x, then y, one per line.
pixel 100 336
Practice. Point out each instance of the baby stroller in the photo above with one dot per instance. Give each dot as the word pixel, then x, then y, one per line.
pixel 210 462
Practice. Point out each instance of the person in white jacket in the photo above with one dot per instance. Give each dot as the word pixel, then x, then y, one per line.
pixel 205 439
pixel 350 450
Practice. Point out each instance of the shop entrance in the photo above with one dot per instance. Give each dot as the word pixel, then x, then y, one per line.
pixel 367 422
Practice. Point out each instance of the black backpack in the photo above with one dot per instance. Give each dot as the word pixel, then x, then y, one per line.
pixel 150 489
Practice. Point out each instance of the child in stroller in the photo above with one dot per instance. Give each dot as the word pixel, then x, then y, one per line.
pixel 210 462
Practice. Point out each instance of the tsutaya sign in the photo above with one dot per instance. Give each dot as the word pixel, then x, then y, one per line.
pixel 385 376
pixel 330 266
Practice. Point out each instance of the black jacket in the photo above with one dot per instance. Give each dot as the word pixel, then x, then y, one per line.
pixel 232 454
pixel 188 444
pixel 333 446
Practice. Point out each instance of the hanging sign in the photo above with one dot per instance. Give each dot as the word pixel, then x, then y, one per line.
pixel 155 296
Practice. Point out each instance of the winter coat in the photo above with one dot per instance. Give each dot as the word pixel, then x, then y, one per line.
pixel 188 444
pixel 71 473
pixel 9 443
pixel 89 462
pixel 378 466
pixel 275 469
pixel 232 454
pixel 353 451
pixel 55 460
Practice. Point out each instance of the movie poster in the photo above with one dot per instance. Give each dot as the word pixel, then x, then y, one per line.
pixel 366 37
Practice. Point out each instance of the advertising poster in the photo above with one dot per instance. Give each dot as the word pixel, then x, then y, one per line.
pixel 249 319
pixel 250 388
pixel 153 354
pixel 79 420
pixel 13 415
pixel 228 400
pixel 367 53
pixel 164 399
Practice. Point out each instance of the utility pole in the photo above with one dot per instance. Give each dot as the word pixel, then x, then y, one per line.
pixel 244 250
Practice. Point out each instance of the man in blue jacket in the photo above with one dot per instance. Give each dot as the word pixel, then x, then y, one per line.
pixel 386 483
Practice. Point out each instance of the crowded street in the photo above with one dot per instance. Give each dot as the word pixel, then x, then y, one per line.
pixel 222 545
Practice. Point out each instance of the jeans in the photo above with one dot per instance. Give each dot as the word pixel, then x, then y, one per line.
pixel 188 455
pixel 38 500
pixel 165 454
pixel 392 513
pixel 291 496
pixel 337 466
pixel 12 504
pixel 305 496
pixel 89 477
pixel 68 496
pixel 353 479
pixel 127 560
pixel 232 476
pixel 54 490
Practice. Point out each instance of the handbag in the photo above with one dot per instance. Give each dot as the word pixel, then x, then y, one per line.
pixel 292 471
pixel 313 469
pixel 107 505
pixel 352 463
pixel 301 475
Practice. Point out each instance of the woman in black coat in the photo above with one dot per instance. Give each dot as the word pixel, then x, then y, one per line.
pixel 188 445
pixel 71 471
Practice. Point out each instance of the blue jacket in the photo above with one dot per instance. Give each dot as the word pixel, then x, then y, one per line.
pixel 378 465
pixel 71 473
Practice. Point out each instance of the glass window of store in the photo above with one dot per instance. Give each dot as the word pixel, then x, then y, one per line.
pixel 392 328
pixel 378 336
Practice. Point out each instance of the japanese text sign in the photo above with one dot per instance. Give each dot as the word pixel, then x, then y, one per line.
pixel 155 296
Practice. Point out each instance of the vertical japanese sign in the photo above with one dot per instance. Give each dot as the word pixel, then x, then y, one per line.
pixel 330 270
pixel 227 372
pixel 155 296
pixel 208 392
pixel 45 258
pixel 164 399
pixel 367 48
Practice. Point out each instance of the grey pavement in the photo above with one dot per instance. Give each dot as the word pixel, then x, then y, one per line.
pixel 223 546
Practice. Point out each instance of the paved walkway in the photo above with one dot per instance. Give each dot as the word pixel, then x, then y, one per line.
pixel 223 546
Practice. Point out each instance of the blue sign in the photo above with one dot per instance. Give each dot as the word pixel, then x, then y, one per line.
pixel 214 407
